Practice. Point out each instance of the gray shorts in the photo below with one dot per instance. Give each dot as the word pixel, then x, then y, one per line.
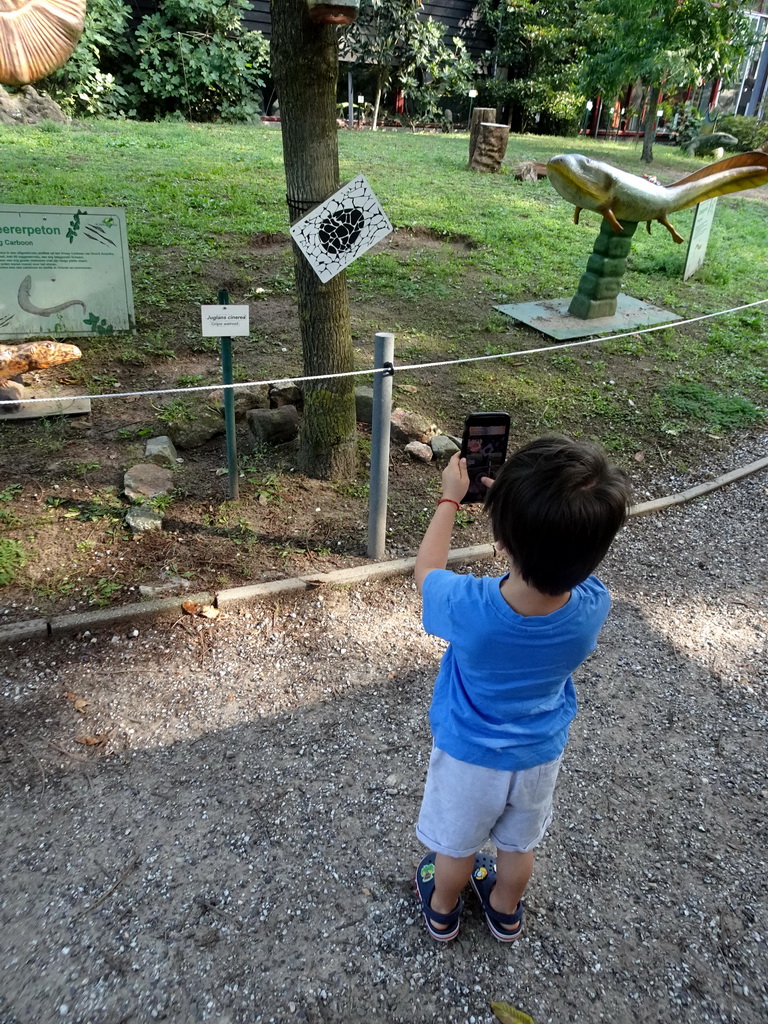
pixel 464 805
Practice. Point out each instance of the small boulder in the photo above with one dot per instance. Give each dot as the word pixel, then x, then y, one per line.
pixel 418 451
pixel 245 400
pixel 285 393
pixel 443 447
pixel 161 451
pixel 173 585
pixel 274 426
pixel 142 519
pixel 146 481
pixel 364 405
pixel 196 424
pixel 411 426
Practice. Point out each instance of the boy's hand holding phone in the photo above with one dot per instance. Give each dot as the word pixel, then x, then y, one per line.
pixel 455 478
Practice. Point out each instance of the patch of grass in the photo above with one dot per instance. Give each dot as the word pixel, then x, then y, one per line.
pixel 13 557
pixel 689 400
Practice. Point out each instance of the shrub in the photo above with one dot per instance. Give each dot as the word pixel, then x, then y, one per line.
pixel 88 83
pixel 688 121
pixel 751 133
pixel 196 60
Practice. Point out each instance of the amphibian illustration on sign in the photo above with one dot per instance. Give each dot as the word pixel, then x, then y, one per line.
pixel 63 271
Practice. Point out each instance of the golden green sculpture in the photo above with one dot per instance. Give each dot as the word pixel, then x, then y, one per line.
pixel 37 37
pixel 620 196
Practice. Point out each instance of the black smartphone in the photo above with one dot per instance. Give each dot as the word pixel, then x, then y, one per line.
pixel 484 446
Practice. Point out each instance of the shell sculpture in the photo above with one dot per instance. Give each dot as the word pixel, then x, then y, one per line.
pixel 36 37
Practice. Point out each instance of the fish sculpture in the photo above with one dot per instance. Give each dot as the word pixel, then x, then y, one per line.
pixel 618 195
pixel 34 355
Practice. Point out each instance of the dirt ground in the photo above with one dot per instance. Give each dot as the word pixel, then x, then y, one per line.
pixel 215 822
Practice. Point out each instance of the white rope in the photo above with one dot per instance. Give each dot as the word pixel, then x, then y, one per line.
pixel 399 368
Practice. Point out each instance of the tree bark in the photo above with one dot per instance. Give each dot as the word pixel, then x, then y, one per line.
pixel 305 70
pixel 479 114
pixel 491 146
pixel 649 124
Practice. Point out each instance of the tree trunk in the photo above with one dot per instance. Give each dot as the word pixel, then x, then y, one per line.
pixel 490 148
pixel 649 124
pixel 305 69
pixel 479 114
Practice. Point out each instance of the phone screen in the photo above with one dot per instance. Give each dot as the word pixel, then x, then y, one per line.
pixel 484 446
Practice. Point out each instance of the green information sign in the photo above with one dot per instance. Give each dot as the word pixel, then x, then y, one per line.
pixel 64 272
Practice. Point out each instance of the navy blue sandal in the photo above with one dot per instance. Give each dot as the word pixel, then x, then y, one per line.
pixel 425 886
pixel 483 880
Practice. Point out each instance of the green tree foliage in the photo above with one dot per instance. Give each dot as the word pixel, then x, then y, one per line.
pixel 88 84
pixel 396 40
pixel 536 55
pixel 196 60
pixel 666 44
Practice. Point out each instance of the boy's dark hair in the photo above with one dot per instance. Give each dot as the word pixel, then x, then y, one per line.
pixel 556 505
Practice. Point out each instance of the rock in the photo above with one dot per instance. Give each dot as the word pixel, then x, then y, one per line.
pixel 411 426
pixel 245 400
pixel 285 393
pixel 161 451
pixel 142 519
pixel 196 424
pixel 170 586
pixel 28 106
pixel 274 426
pixel 364 405
pixel 418 451
pixel 10 391
pixel 146 481
pixel 443 447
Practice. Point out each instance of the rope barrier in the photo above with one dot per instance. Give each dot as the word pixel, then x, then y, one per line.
pixel 388 369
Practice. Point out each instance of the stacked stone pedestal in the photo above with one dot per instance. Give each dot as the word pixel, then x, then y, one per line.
pixel 600 285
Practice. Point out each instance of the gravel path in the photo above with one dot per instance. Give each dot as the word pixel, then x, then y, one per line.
pixel 241 848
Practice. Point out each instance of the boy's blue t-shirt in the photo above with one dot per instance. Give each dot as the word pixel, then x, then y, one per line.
pixel 504 697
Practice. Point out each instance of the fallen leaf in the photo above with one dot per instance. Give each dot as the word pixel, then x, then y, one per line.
pixel 92 741
pixel 209 612
pixel 70 696
pixel 80 705
pixel 190 607
pixel 410 388
pixel 509 1015
pixel 639 456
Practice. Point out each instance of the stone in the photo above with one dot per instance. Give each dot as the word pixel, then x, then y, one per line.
pixel 410 426
pixel 142 519
pixel 196 425
pixel 145 481
pixel 161 451
pixel 169 586
pixel 418 451
pixel 443 447
pixel 28 106
pixel 245 400
pixel 364 405
pixel 274 426
pixel 285 393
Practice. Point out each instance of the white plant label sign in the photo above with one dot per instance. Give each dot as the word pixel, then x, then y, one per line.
pixel 341 228
pixel 225 321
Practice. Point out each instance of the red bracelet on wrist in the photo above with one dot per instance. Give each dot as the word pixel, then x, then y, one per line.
pixel 452 501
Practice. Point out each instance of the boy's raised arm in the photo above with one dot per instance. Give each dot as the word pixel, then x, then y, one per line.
pixel 434 548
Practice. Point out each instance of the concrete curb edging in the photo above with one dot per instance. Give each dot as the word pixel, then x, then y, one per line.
pixel 240 597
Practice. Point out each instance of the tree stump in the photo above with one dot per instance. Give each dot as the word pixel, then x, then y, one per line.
pixel 479 114
pixel 490 149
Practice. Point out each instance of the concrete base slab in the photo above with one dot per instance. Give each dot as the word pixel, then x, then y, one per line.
pixel 38 406
pixel 551 317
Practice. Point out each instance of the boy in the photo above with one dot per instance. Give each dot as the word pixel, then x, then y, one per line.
pixel 504 697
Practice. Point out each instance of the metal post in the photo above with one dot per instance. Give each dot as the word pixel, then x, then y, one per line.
pixel 229 407
pixel 384 354
pixel 350 101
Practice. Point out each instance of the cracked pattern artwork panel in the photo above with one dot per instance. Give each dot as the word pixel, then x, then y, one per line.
pixel 342 228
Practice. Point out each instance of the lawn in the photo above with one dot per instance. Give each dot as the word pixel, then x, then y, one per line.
pixel 206 208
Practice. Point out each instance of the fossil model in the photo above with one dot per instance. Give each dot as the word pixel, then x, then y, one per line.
pixel 18 359
pixel 36 37
pixel 620 196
